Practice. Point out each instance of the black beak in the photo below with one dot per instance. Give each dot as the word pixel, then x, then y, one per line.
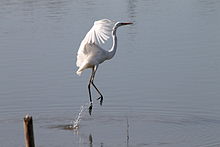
pixel 126 23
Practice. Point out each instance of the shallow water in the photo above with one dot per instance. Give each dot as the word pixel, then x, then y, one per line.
pixel 161 88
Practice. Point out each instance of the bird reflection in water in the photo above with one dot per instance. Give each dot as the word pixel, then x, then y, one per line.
pixel 91 141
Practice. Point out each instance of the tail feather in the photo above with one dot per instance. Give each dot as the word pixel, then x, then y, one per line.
pixel 78 72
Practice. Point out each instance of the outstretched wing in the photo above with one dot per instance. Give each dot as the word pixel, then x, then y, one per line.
pixel 98 34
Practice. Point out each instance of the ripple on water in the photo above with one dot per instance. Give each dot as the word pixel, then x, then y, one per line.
pixel 164 126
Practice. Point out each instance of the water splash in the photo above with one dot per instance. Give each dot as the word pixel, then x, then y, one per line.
pixel 75 123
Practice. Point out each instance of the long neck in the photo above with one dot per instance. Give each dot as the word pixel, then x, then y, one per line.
pixel 112 51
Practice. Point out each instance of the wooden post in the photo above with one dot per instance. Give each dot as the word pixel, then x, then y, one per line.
pixel 28 131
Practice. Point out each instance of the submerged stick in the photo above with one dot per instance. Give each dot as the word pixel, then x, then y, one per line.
pixel 28 131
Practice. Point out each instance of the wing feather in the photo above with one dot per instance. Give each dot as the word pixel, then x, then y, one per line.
pixel 98 34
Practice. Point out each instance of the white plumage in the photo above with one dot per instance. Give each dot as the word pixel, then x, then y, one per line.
pixel 90 53
pixel 100 31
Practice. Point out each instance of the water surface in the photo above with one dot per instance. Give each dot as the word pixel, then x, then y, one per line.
pixel 161 88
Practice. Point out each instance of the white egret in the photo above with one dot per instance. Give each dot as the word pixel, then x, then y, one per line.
pixel 90 53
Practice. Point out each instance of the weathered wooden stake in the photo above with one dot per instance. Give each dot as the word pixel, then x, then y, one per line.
pixel 28 131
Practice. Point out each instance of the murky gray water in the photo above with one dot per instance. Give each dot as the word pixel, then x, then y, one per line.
pixel 165 78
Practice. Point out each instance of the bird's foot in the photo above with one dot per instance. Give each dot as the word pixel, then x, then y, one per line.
pixel 101 99
pixel 90 108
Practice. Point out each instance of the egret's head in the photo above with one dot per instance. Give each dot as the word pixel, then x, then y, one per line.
pixel 118 24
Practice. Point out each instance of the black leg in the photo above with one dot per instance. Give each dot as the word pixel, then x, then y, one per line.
pixel 90 98
pixel 89 86
pixel 101 97
pixel 94 69
pixel 90 109
pixel 89 89
pixel 92 79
